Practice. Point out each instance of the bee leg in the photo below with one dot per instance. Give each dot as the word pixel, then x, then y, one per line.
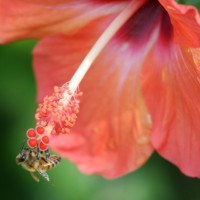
pixel 34 177
pixel 47 154
pixel 38 153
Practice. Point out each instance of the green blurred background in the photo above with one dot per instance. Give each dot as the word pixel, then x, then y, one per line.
pixel 158 179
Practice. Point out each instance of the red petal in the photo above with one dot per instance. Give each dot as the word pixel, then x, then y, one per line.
pixel 111 136
pixel 186 22
pixel 112 105
pixel 172 91
pixel 35 19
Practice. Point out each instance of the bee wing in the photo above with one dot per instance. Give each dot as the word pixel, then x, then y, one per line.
pixel 34 177
pixel 44 175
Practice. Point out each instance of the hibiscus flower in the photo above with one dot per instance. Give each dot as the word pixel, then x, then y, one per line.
pixel 140 94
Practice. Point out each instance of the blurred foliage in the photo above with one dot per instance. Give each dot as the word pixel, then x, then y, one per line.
pixel 195 3
pixel 157 179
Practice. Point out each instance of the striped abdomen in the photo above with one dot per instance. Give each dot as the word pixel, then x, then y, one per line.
pixel 46 165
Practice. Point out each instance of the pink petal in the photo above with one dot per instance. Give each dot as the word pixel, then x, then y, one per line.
pixel 112 106
pixel 172 93
pixel 111 136
pixel 21 19
pixel 186 22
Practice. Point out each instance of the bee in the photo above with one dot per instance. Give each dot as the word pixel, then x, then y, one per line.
pixel 30 161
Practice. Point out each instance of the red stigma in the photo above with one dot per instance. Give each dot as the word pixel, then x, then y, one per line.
pixel 45 139
pixel 42 146
pixel 34 140
pixel 31 133
pixel 40 130
pixel 59 110
pixel 32 143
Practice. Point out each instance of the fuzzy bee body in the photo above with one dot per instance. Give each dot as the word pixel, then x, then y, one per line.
pixel 29 160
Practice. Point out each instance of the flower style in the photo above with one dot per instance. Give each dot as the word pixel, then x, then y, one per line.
pixel 141 93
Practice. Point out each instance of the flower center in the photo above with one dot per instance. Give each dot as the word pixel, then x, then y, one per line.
pixel 140 26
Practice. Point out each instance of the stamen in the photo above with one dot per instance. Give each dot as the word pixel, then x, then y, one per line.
pixel 58 112
pixel 103 41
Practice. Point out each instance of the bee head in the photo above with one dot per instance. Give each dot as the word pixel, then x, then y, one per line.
pixel 22 156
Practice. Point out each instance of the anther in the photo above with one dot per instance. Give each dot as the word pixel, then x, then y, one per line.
pixel 59 110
